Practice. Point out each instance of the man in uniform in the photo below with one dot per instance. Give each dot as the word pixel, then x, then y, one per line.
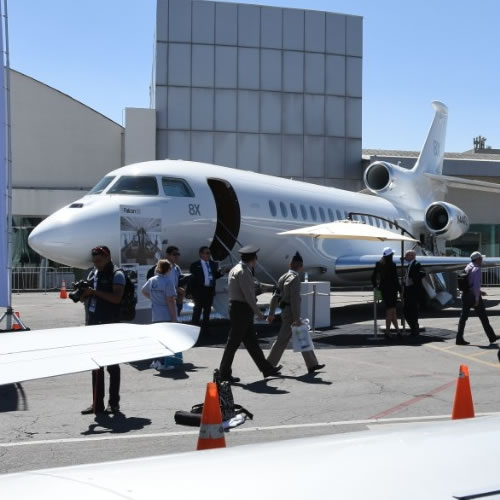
pixel 413 291
pixel 242 308
pixel 288 297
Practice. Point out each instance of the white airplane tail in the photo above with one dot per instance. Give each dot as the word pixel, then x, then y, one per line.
pixel 431 157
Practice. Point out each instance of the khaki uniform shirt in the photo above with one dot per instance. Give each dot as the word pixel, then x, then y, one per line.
pixel 289 293
pixel 241 286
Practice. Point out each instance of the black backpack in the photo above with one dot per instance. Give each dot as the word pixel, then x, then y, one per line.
pixel 463 282
pixel 129 299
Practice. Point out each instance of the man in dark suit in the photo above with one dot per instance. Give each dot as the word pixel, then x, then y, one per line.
pixel 413 290
pixel 204 274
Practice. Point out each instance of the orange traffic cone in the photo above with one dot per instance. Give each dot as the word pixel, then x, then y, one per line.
pixel 63 294
pixel 15 325
pixel 463 407
pixel 211 429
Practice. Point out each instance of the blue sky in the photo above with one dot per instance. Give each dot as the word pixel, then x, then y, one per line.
pixel 101 51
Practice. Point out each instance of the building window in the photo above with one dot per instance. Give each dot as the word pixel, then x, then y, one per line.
pixel 284 211
pixel 330 215
pixel 303 211
pixel 313 213
pixel 293 209
pixel 322 214
pixel 272 208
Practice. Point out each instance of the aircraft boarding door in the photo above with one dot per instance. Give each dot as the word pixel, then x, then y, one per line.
pixel 228 218
pixel 226 234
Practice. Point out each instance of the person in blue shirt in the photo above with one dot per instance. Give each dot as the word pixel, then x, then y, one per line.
pixel 160 289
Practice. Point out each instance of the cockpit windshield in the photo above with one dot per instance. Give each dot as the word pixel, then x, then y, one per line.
pixel 101 185
pixel 135 185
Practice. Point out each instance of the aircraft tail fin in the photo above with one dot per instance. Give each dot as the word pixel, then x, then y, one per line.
pixel 431 157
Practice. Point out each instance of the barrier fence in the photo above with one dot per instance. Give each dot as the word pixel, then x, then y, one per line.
pixel 44 279
pixel 491 276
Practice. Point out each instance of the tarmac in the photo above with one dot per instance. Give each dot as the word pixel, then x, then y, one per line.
pixel 366 384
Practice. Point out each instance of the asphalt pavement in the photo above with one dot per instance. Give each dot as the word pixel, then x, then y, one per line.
pixel 366 383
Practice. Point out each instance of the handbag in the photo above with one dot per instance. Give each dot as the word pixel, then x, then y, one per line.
pixel 301 338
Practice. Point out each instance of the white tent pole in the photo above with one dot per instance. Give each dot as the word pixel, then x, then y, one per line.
pixel 8 130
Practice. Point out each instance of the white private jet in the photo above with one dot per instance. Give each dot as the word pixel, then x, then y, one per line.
pixel 206 204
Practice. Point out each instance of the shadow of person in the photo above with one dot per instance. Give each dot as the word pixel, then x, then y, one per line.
pixel 12 398
pixel 261 387
pixel 106 423
pixel 309 378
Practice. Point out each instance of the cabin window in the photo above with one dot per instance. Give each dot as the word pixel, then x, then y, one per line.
pixel 135 185
pixel 370 221
pixel 363 218
pixel 330 215
pixel 346 214
pixel 322 214
pixel 294 211
pixel 377 221
pixel 303 212
pixel 284 211
pixel 178 188
pixel 272 208
pixel 102 185
pixel 313 213
pixel 339 214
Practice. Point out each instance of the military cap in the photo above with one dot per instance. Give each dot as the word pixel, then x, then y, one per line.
pixel 297 258
pixel 248 250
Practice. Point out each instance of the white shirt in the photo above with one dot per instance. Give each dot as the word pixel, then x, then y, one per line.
pixel 408 280
pixel 207 272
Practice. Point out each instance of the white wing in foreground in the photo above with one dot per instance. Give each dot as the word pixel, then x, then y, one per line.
pixel 454 459
pixel 46 353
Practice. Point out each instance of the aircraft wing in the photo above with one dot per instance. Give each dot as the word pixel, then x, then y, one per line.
pixel 346 466
pixel 461 183
pixel 432 263
pixel 46 353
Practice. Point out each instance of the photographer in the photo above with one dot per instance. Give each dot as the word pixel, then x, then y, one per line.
pixel 102 301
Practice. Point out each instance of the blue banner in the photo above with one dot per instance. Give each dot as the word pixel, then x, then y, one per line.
pixel 4 181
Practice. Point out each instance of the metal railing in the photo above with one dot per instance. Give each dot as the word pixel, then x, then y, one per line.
pixel 35 279
pixel 491 276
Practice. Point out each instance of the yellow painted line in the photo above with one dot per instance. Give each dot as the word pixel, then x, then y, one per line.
pixel 483 352
pixel 464 356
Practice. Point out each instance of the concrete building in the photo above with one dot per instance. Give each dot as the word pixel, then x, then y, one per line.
pixel 266 89
pixel 60 149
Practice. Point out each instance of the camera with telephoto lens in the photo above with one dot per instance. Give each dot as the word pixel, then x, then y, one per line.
pixel 78 288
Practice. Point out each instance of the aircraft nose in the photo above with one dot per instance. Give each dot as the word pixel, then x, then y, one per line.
pixel 68 235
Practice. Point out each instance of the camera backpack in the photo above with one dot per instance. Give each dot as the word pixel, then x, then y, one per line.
pixel 129 299
pixel 463 282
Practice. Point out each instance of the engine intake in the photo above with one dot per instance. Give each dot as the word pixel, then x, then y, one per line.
pixel 445 220
pixel 378 176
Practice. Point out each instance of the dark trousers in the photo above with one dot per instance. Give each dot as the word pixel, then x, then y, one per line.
pixel 203 303
pixel 468 300
pixel 98 386
pixel 242 330
pixel 410 309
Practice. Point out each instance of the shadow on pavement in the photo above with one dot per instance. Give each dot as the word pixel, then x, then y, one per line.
pixel 340 340
pixel 261 387
pixel 309 378
pixel 116 424
pixel 12 398
pixel 180 372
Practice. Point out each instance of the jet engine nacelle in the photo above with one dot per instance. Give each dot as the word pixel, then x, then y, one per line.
pixel 445 220
pixel 379 176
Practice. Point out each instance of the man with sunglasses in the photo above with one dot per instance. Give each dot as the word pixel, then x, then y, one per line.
pixel 103 307
pixel 204 274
